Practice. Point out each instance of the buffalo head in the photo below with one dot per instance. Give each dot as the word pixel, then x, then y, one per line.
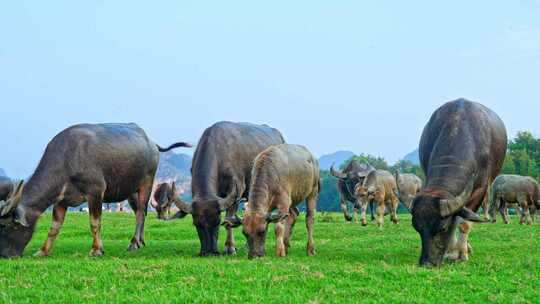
pixel 435 220
pixel 255 227
pixel 15 232
pixel 207 217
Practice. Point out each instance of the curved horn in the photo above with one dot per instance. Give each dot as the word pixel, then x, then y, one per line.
pixel 13 200
pixel 337 174
pixel 453 205
pixel 227 202
pixel 183 206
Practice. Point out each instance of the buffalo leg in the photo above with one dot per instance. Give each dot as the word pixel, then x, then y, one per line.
pixel 394 205
pixel 503 210
pixel 526 215
pixel 364 205
pixel 310 220
pixel 143 196
pixel 372 210
pixel 345 209
pixel 381 207
pixel 95 208
pixel 485 203
pixel 58 216
pixel 289 225
pixel 230 246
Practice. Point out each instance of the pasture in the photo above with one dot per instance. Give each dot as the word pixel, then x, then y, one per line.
pixel 353 264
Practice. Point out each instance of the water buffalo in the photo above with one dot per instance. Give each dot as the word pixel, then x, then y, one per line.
pixel 283 177
pixel 221 172
pixel 163 199
pixel 522 191
pixel 408 186
pixel 379 187
pixel 84 163
pixel 353 174
pixel 462 150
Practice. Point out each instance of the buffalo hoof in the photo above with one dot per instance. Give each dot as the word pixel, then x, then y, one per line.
pixel 136 244
pixel 311 251
pixel 280 252
pixel 229 251
pixel 364 224
pixel 96 253
pixel 208 254
pixel 41 254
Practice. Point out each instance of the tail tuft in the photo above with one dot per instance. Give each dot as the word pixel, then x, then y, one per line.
pixel 173 146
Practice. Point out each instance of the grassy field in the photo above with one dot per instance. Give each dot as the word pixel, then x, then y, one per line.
pixel 353 264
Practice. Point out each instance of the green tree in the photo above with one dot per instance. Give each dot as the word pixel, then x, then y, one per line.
pixel 375 161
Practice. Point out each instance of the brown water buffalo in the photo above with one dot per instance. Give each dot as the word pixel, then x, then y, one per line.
pixel 378 187
pixel 521 191
pixel 408 186
pixel 84 163
pixel 461 151
pixel 221 173
pixel 163 199
pixel 283 176
pixel 353 174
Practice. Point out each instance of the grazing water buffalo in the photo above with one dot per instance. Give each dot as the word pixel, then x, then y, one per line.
pixel 221 172
pixel 283 177
pixel 522 191
pixel 379 187
pixel 84 163
pixel 462 151
pixel 163 199
pixel 354 173
pixel 408 186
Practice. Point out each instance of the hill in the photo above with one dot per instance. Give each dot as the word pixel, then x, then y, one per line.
pixel 175 167
pixel 338 158
pixel 413 157
pixel 2 172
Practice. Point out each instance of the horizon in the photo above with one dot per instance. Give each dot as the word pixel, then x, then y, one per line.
pixel 359 77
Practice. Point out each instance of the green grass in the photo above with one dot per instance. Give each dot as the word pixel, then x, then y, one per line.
pixel 353 264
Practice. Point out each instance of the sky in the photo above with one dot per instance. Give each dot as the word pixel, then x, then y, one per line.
pixel 363 76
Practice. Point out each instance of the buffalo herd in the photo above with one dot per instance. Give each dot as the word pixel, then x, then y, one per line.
pixel 462 150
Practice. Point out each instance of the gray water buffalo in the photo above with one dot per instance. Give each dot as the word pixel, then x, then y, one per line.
pixel 221 173
pixel 163 199
pixel 353 174
pixel 408 186
pixel 283 177
pixel 84 163
pixel 462 150
pixel 521 191
pixel 378 187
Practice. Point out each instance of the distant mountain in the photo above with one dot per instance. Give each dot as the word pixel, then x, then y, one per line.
pixel 175 167
pixel 326 161
pixel 2 172
pixel 413 157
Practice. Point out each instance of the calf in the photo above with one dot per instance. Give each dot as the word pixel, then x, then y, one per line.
pixel 283 176
pixel 84 163
pixel 408 186
pixel 378 187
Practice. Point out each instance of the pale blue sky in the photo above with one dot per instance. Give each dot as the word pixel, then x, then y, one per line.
pixel 357 75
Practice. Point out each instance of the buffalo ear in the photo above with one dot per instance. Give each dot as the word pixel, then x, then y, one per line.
pixel 274 218
pixel 468 215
